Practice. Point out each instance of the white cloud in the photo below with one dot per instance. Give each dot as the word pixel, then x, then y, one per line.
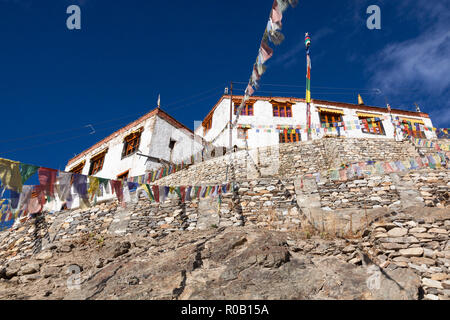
pixel 418 70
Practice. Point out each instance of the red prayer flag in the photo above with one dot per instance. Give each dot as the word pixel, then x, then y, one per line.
pixel 183 193
pixel 156 193
pixel 266 51
pixel 47 179
pixel 116 186
pixel 250 90
pixel 276 14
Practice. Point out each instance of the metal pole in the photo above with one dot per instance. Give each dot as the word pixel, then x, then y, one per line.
pixel 231 115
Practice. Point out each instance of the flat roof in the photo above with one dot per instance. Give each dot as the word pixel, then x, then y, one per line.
pixel 318 101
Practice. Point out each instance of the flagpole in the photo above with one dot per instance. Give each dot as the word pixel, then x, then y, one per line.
pixel 308 86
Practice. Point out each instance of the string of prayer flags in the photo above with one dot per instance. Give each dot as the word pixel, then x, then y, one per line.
pixel 271 33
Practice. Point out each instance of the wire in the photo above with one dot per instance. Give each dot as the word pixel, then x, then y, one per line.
pixel 62 131
pixel 57 141
pixel 194 96
pixel 313 91
pixel 303 86
pixel 98 130
pixel 199 100
pixel 106 121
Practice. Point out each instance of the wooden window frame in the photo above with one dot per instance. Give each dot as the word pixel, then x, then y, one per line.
pixel 282 108
pixel 379 128
pixel 121 175
pixel 78 168
pixel 131 143
pixel 207 124
pixel 414 133
pixel 246 111
pixel 329 118
pixel 285 137
pixel 97 163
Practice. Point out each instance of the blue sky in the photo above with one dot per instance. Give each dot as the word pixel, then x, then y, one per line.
pixel 54 81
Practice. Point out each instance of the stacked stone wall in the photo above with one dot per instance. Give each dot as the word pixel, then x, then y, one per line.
pixel 288 160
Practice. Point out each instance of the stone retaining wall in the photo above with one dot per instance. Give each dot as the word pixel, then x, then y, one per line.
pixel 431 187
pixel 418 243
pixel 279 204
pixel 289 160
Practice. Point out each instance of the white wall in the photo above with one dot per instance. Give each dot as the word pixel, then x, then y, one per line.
pixel 263 115
pixel 114 164
pixel 159 147
pixel 154 142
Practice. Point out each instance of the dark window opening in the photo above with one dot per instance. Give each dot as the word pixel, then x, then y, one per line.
pixel 78 168
pixel 97 163
pixel 131 143
pixel 286 137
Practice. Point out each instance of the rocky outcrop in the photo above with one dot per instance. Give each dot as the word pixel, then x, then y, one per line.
pixel 403 255
pixel 216 264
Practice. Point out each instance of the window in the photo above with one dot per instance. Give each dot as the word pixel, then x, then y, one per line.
pixel 282 110
pixel 247 110
pixel 371 125
pixel 243 134
pixel 412 128
pixel 289 136
pixel 171 146
pixel 78 168
pixel 329 119
pixel 123 176
pixel 97 163
pixel 207 124
pixel 131 143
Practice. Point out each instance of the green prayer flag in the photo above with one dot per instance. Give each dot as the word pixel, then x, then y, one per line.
pixel 27 170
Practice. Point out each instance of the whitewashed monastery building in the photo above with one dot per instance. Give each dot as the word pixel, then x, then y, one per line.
pixel 157 139
pixel 262 116
pixel 146 144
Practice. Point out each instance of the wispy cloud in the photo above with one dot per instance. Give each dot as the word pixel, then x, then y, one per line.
pixel 290 57
pixel 23 3
pixel 418 69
